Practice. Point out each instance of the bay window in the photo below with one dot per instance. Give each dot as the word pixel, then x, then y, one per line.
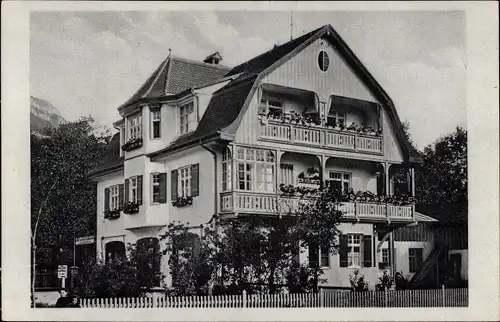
pixel 255 170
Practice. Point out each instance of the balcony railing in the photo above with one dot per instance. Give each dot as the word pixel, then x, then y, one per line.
pixel 272 204
pixel 320 137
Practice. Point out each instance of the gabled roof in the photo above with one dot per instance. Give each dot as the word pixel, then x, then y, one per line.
pixel 111 160
pixel 253 70
pixel 175 75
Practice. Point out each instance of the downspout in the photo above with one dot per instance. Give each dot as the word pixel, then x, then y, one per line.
pixel 215 180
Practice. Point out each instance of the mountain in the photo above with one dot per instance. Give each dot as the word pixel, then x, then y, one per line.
pixel 44 116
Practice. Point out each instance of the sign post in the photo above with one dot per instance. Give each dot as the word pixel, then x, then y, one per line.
pixel 62 273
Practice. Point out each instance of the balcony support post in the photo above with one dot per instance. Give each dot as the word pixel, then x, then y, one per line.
pixel 412 174
pixel 277 162
pixel 322 159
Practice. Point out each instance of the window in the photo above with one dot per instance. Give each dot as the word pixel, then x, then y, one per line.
pixel 415 259
pixel 270 106
pixel 135 127
pixel 354 250
pixel 155 187
pixel 340 180
pixel 133 189
pixel 385 256
pixel 115 251
pixel 226 170
pixel 186 117
pixel 185 181
pixel 114 195
pixel 325 256
pixel 255 170
pixel 337 118
pixel 155 123
pixel 323 61
pixel 287 174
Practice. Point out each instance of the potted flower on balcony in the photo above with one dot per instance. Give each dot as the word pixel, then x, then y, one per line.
pixel 131 207
pixel 112 213
pixel 182 201
pixel 132 144
pixel 311 176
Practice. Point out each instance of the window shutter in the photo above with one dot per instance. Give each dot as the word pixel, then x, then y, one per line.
pixel 120 195
pixel 106 199
pixel 367 251
pixel 127 190
pixel 195 182
pixel 173 183
pixel 139 190
pixel 163 187
pixel 343 250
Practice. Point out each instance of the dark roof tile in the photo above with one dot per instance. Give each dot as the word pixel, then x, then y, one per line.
pixel 111 159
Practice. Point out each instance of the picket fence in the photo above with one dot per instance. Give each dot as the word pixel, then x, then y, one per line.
pixel 408 298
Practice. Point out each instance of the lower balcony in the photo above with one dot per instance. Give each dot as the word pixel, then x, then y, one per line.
pixel 273 204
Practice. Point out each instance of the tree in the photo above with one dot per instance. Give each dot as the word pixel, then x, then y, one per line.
pixel 125 277
pixel 254 253
pixel 63 199
pixel 442 179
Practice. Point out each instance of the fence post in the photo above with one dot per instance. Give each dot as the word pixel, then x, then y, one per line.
pixel 386 300
pixel 244 298
pixel 442 288
pixel 321 297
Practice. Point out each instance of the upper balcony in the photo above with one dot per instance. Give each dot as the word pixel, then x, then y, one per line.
pixel 297 117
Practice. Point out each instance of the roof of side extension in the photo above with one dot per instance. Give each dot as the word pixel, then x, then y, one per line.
pixel 175 75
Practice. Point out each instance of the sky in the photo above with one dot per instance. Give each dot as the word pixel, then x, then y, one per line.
pixel 88 63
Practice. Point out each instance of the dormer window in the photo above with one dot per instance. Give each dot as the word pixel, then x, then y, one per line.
pixel 135 127
pixel 187 118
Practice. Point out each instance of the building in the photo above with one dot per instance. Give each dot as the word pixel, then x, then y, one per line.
pixel 199 140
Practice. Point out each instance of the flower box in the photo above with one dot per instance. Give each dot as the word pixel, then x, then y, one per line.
pixel 112 214
pixel 182 201
pixel 132 144
pixel 130 208
pixel 314 181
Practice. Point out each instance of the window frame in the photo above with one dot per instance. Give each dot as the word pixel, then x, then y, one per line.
pixel 185 119
pixel 350 250
pixel 134 130
pixel 321 256
pixel 417 265
pixel 385 254
pixel 227 170
pixel 252 169
pixel 321 61
pixel 287 174
pixel 155 184
pixel 270 103
pixel 184 181
pixel 114 198
pixel 342 179
pixel 133 189
pixel 155 121
pixel 337 116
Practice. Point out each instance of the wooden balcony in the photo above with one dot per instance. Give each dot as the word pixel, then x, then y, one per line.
pixel 319 136
pixel 273 204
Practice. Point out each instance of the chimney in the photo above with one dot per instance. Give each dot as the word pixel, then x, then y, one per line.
pixel 214 58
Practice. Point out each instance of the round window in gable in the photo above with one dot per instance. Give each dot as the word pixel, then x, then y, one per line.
pixel 323 61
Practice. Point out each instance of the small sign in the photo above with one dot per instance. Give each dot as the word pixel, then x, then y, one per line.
pixel 85 240
pixel 62 271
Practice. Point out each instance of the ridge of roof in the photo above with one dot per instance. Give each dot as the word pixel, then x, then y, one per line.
pixel 200 63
